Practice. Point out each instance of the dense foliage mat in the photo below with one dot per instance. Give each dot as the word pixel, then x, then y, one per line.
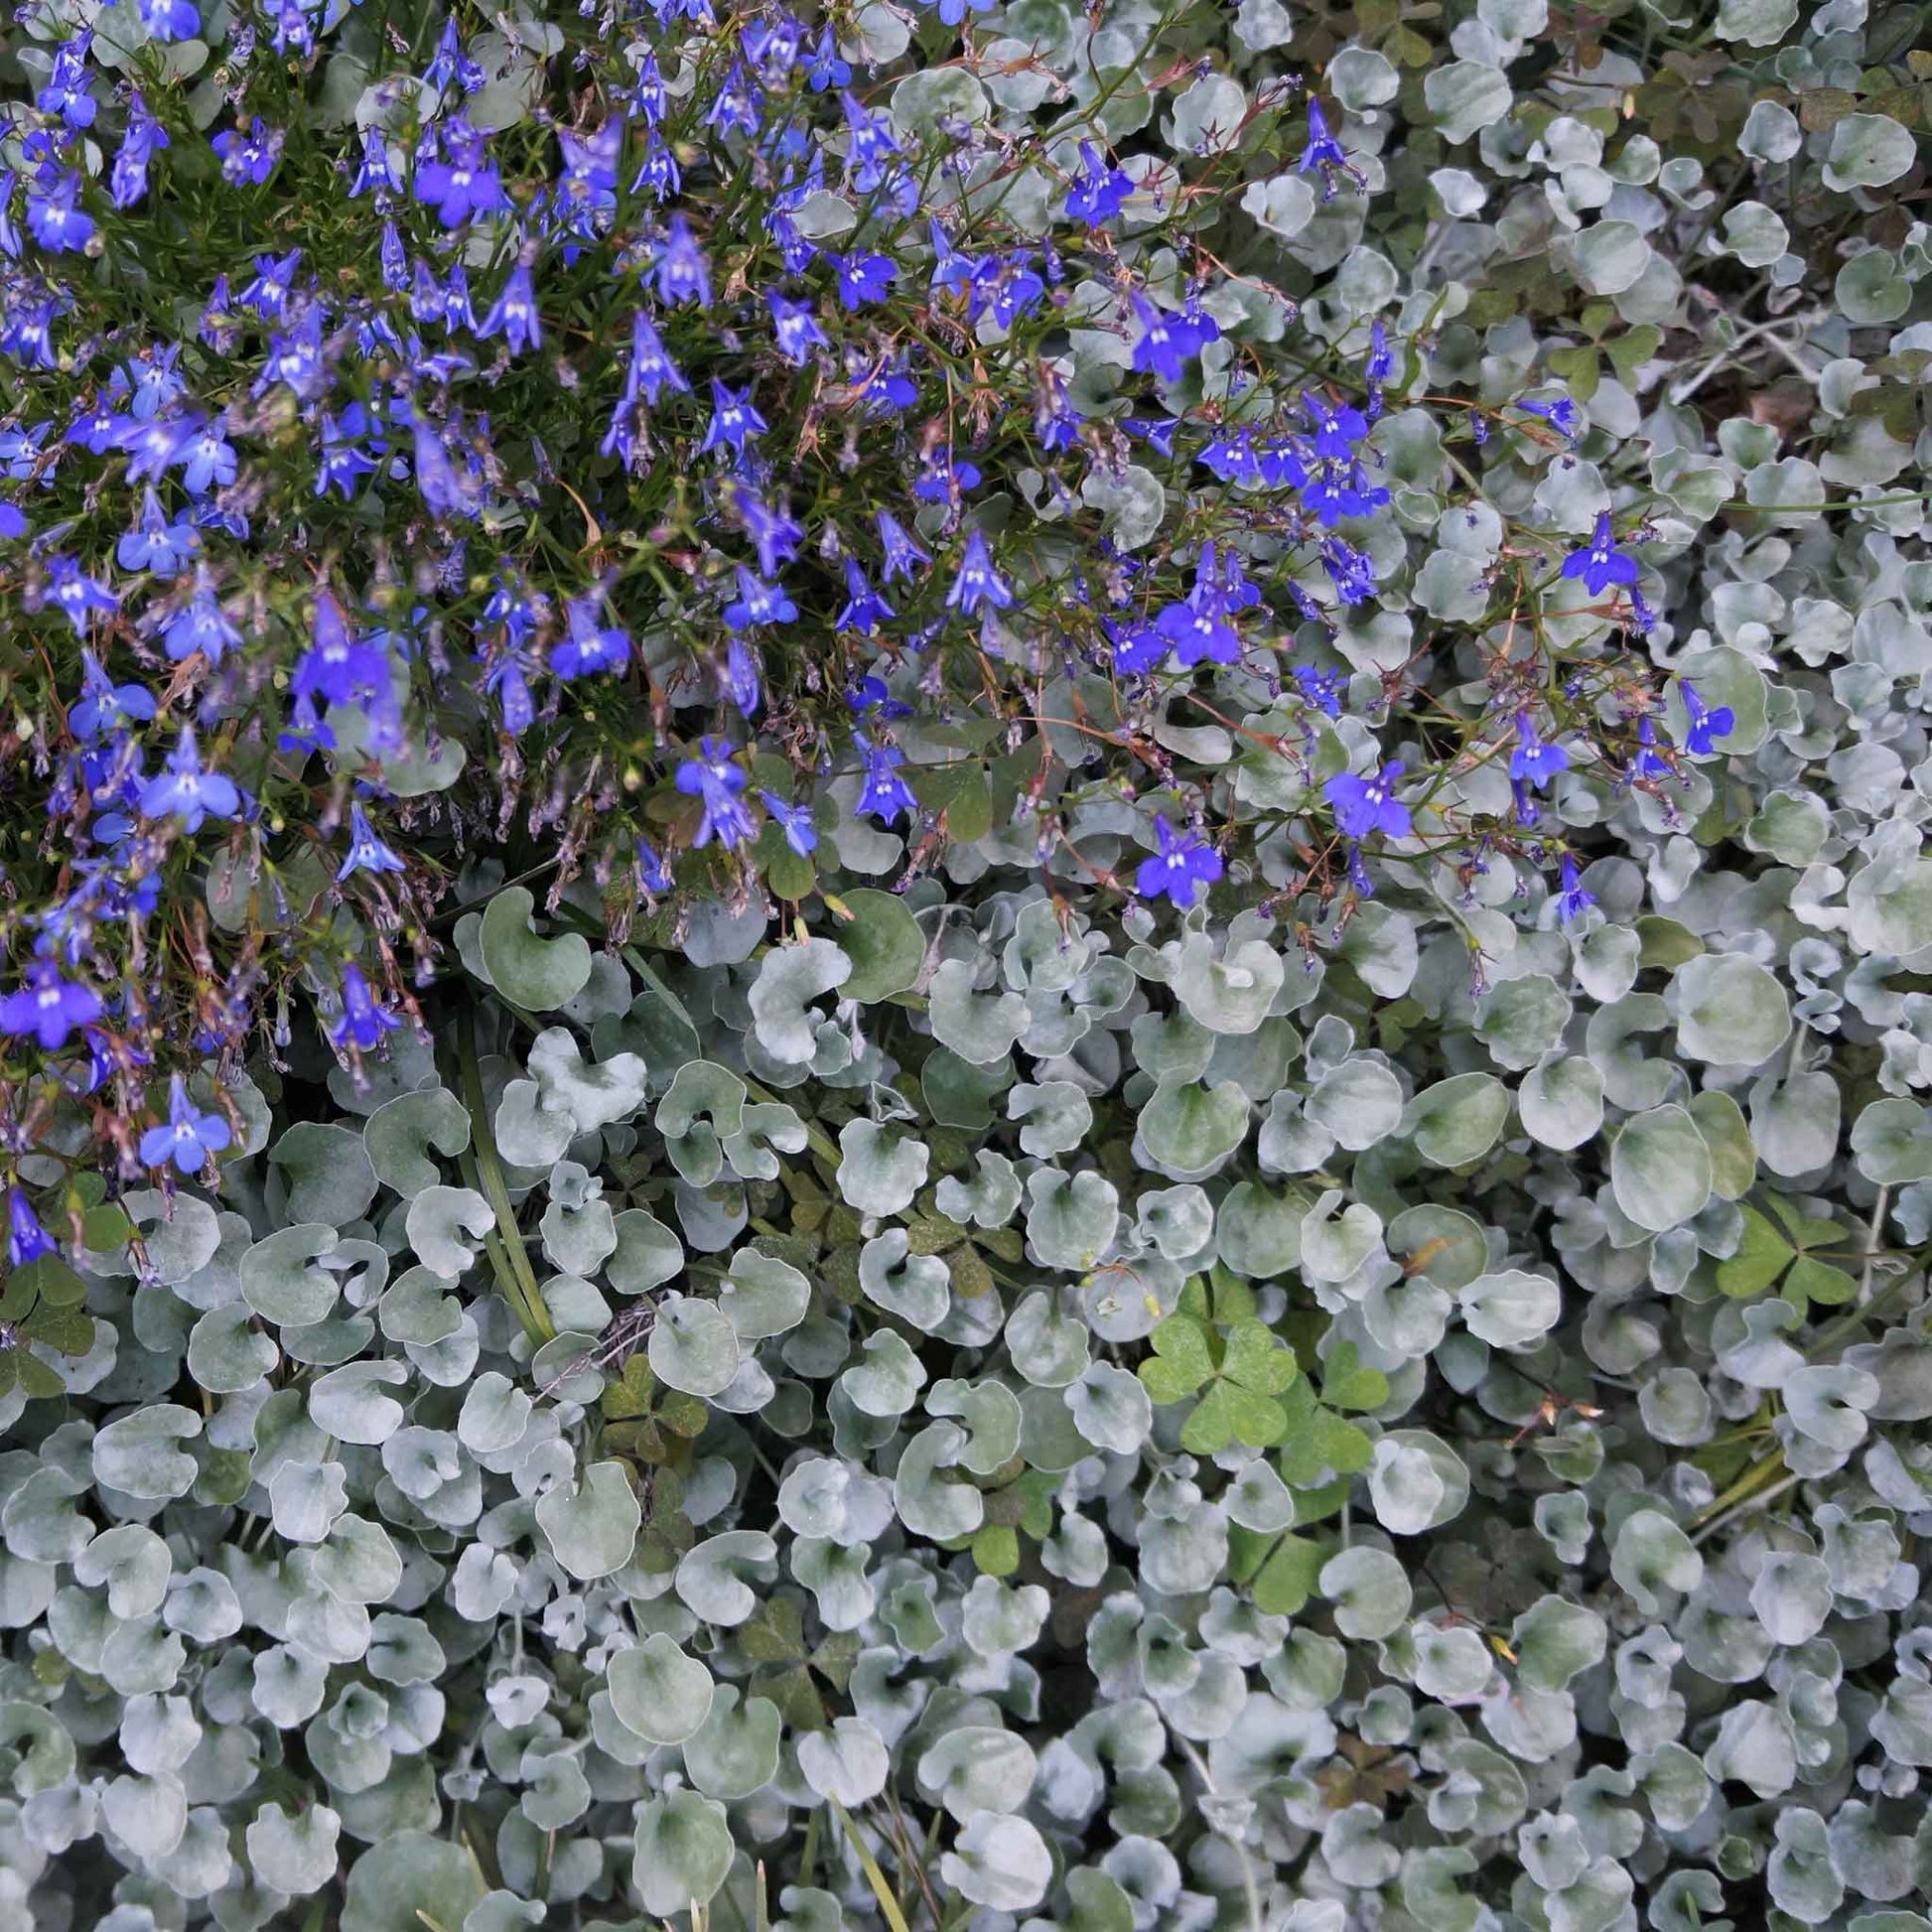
pixel 965 966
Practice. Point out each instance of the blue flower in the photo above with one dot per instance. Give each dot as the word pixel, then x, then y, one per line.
pixel 797 329
pixel 683 274
pixel 27 1240
pixel 465 185
pixel 1323 150
pixel 952 12
pixel 106 704
pixel 1338 427
pixel 978 582
pixel 1534 761
pixel 1098 191
pixel 651 874
pixel 367 852
pixel 191 1138
pixel 902 553
pixel 1349 570
pixel 66 92
pixel 863 279
pixel 744 677
pixel 867 694
pixel 1136 650
pixel 363 1019
pixel 589 650
pixel 1599 563
pixel 187 793
pixel 55 216
pixel 1704 723
pixel 1572 899
pixel 1564 417
pixel 1181 870
pixel 49 1007
pixel 827 70
pixel 1168 343
pixel 171 19
pixel 1648 762
pixel 515 313
pixel 248 158
pixel 865 610
pixel 733 419
pixel 77 594
pixel 795 821
pixel 713 777
pixel 1199 633
pixel 758 603
pixel 885 794
pixel 142 138
pixel 1365 805
pixel 1321 689
pixel 200 625
pixel 774 536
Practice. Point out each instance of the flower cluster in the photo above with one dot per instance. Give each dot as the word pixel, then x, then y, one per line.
pixel 763 342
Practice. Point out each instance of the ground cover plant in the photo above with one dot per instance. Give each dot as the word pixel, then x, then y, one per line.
pixel 965 965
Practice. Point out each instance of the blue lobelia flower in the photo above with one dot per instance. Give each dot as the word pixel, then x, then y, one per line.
pixel 27 1240
pixel 49 1007
pixel 978 582
pixel 142 138
pixel 651 874
pixel 1705 724
pixel 171 19
pixel 733 419
pixel 1564 417
pixel 1338 427
pixel 190 1139
pixel 865 610
pixel 77 594
pixel 744 677
pixel 884 794
pixel 863 279
pixel 187 793
pixel 796 327
pixel 1349 570
pixel 1168 343
pixel 589 648
pixel 105 705
pixel 367 852
pixel 795 821
pixel 1599 563
pixel 1534 761
pixel 249 159
pixel 1323 153
pixel 363 1019
pixel 466 185
pixel 1181 870
pixel 1098 191
pixel 515 313
pixel 1368 804
pixel 200 625
pixel 758 602
pixel 713 777
pixel 683 274
pixel 902 552
pixel 1648 762
pixel 1572 899
pixel 1137 650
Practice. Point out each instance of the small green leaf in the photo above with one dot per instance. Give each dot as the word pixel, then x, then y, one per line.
pixel 1345 1384
pixel 1762 1256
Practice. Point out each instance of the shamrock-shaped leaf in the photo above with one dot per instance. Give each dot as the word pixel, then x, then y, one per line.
pixel 1784 1243
pixel 1242 1374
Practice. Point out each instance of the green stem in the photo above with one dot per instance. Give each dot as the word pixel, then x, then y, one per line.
pixel 513 1270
